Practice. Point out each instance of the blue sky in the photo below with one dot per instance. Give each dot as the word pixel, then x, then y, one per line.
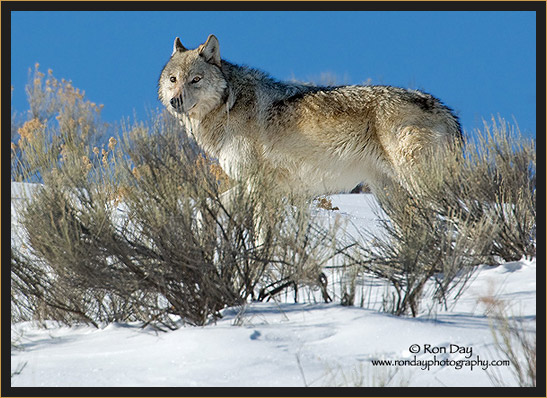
pixel 480 63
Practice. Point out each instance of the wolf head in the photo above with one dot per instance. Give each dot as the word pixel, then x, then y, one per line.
pixel 192 82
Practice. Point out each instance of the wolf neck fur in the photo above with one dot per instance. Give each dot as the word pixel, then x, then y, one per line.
pixel 242 85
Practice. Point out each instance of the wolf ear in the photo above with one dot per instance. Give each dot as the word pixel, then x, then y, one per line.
pixel 210 50
pixel 177 46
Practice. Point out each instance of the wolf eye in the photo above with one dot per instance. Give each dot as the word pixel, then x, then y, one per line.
pixel 196 79
pixel 173 79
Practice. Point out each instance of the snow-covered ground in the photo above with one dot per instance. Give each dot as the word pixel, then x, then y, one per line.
pixel 287 344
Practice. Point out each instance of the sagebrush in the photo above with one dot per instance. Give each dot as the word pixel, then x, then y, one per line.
pixel 143 226
pixel 141 230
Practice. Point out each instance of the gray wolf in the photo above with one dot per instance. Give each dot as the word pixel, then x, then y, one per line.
pixel 315 140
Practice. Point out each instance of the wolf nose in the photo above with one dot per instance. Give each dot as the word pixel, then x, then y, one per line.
pixel 176 102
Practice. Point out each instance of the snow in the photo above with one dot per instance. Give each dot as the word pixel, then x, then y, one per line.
pixel 288 344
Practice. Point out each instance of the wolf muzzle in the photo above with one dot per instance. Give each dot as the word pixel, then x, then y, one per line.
pixel 176 103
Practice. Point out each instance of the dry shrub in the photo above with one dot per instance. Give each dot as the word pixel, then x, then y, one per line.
pixel 144 227
pixel 141 232
pixel 514 340
pixel 59 116
pixel 474 206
